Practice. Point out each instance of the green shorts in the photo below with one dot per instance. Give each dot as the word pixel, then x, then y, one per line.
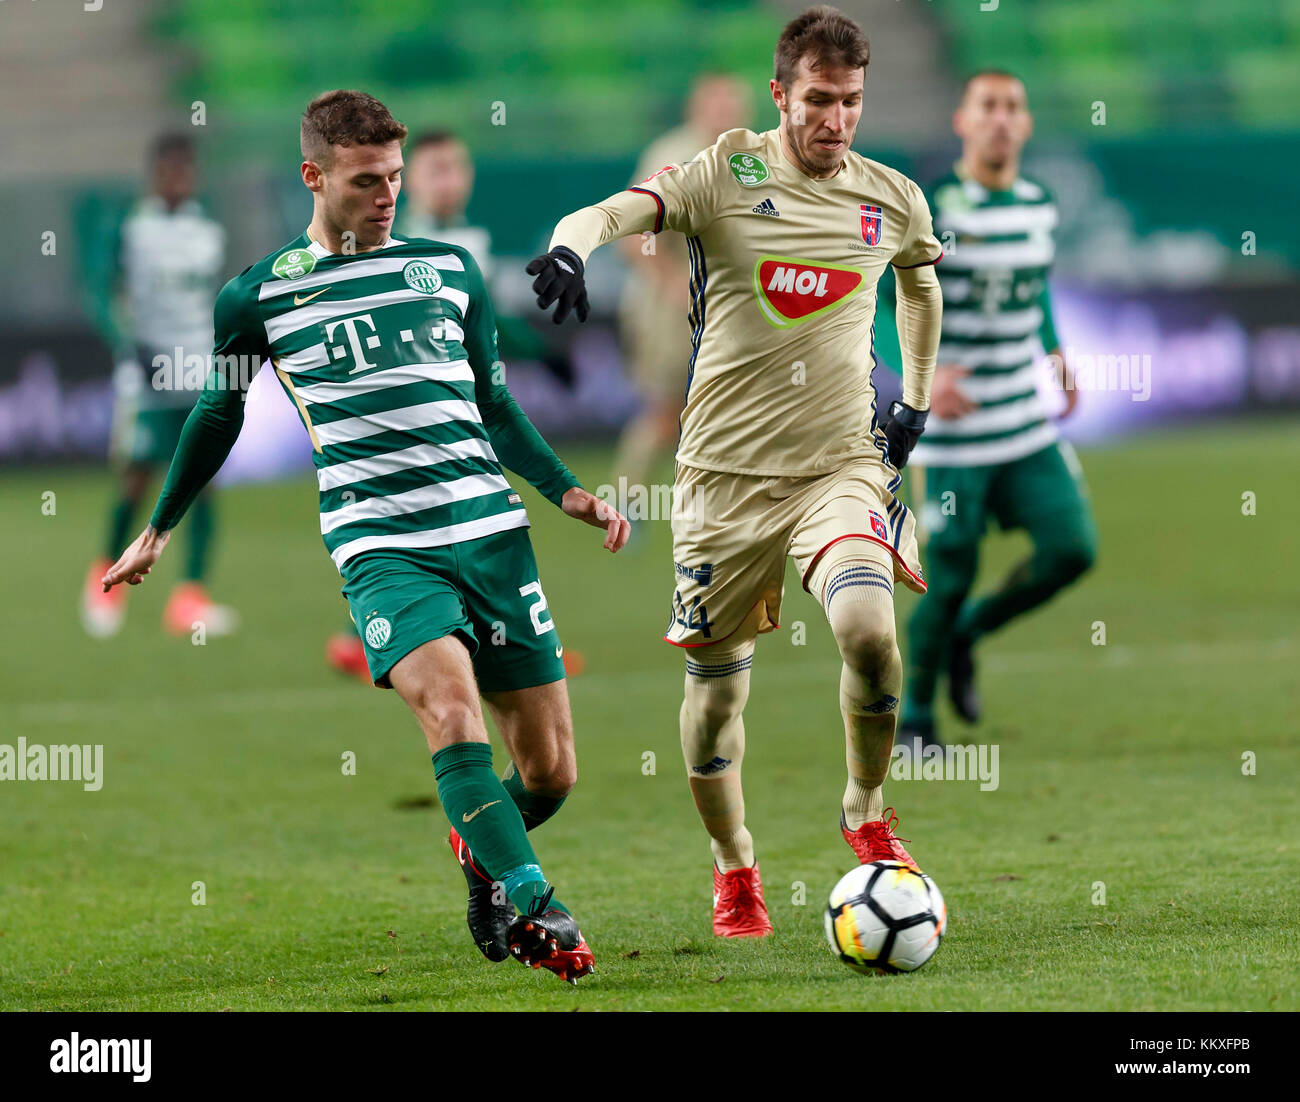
pixel 154 434
pixel 486 592
pixel 1046 487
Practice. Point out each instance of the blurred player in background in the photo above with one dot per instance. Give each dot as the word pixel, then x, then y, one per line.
pixel 166 260
pixel 991 451
pixel 438 184
pixel 656 297
pixel 781 452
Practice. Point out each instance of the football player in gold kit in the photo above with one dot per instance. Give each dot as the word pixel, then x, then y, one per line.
pixel 781 450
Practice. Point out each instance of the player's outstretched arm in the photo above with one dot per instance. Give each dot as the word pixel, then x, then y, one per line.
pixel 210 432
pixel 581 505
pixel 515 440
pixel 138 559
pixel 560 272
pixel 919 316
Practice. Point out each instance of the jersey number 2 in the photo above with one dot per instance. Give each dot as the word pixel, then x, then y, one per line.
pixel 536 609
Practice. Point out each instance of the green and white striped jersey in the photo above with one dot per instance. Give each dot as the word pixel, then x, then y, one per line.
pixel 997 319
pixel 390 358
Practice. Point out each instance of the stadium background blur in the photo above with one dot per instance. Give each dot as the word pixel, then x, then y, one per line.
pixel 1121 763
pixel 1178 236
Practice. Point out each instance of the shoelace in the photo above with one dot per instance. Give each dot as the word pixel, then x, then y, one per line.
pixel 889 820
pixel 733 888
pixel 538 905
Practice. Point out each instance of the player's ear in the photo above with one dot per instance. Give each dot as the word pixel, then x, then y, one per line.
pixel 778 94
pixel 311 175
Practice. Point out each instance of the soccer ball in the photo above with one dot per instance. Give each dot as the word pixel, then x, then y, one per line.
pixel 885 917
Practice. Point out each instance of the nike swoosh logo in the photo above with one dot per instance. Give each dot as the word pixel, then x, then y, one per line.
pixel 559 651
pixel 469 815
pixel 302 300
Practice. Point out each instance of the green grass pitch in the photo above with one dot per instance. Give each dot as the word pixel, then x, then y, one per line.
pixel 1120 764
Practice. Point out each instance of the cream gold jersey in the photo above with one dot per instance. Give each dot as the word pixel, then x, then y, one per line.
pixel 783 289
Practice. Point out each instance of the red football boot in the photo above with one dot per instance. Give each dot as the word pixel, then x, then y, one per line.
pixel 738 907
pixel 551 940
pixel 876 841
pixel 102 613
pixel 346 653
pixel 189 606
pixel 488 914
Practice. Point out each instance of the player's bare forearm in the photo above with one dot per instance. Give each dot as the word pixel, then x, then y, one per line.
pixel 584 506
pixel 138 559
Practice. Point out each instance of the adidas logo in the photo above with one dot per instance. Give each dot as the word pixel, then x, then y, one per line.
pixel 767 207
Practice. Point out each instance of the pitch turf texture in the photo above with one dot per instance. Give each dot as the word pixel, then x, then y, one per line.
pixel 1120 765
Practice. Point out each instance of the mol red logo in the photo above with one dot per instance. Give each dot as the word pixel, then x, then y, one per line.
pixel 790 291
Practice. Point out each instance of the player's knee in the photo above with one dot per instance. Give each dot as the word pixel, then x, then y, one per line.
pixel 866 638
pixel 712 707
pixel 712 725
pixel 555 777
pixel 451 718
pixel 1073 560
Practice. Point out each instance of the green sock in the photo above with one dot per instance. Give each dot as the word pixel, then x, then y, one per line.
pixel 484 815
pixel 119 527
pixel 200 536
pixel 534 808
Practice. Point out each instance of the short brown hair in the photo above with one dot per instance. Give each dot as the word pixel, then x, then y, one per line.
pixel 346 118
pixel 830 36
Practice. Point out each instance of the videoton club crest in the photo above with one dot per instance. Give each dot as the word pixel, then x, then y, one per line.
pixel 871 223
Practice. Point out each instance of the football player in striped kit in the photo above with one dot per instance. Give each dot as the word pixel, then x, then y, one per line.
pixel 166 258
pixel 387 347
pixel 991 452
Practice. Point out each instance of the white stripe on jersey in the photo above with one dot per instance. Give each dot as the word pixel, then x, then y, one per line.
pixel 987 221
pixel 994 419
pixel 421 455
pixel 985 453
pixel 1004 323
pixel 357 269
pixel 413 501
pixel 433 537
pixel 956 289
pixel 407 417
pixel 452 371
pixel 305 359
pixel 989 388
pixel 1036 252
pixel 317 312
pixel 995 355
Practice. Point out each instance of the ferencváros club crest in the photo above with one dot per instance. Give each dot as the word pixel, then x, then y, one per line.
pixel 378 632
pixel 871 223
pixel 422 276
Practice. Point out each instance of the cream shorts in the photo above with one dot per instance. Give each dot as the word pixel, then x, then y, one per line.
pixel 732 534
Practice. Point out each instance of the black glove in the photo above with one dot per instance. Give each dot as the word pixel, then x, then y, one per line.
pixel 559 280
pixel 903 430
